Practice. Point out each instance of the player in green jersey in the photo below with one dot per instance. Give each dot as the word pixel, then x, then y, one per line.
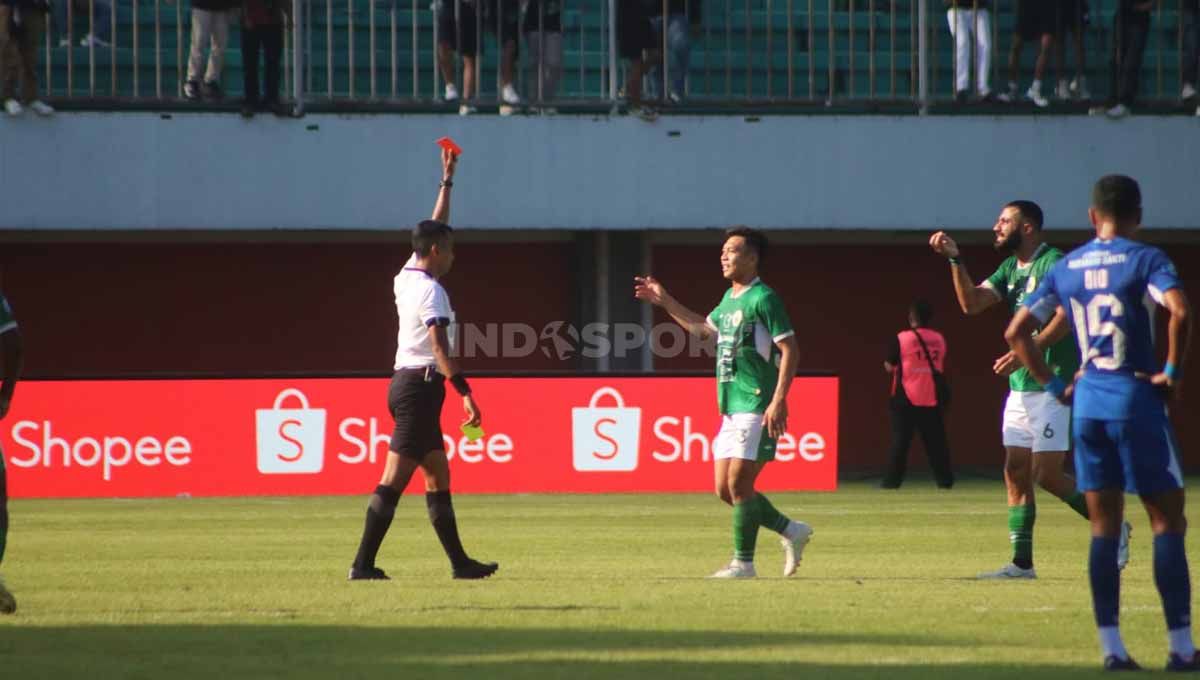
pixel 1036 427
pixel 756 360
pixel 10 369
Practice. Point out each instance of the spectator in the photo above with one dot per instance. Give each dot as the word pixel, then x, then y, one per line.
pixel 22 23
pixel 1191 50
pixel 970 24
pixel 464 36
pixel 97 15
pixel 210 25
pixel 262 31
pixel 681 15
pixel 1131 28
pixel 1073 17
pixel 1035 21
pixel 636 42
pixel 544 18
pixel 913 357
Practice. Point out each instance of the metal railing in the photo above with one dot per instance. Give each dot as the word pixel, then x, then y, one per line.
pixel 706 52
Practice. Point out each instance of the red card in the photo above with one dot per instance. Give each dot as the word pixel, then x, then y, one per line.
pixel 449 145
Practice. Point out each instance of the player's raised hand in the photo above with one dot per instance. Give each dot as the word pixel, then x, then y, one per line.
pixel 474 417
pixel 649 289
pixel 943 245
pixel 775 418
pixel 1007 364
pixel 449 161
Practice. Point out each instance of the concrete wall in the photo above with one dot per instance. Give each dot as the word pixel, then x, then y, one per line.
pixel 148 171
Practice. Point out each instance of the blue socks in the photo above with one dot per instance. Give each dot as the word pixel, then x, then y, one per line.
pixel 1171 577
pixel 1106 580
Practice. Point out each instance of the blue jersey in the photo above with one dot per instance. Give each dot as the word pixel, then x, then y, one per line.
pixel 1110 290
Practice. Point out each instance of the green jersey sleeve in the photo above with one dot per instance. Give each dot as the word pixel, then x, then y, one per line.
pixel 999 279
pixel 774 317
pixel 7 321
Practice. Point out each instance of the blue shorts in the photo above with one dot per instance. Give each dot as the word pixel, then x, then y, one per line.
pixel 1137 455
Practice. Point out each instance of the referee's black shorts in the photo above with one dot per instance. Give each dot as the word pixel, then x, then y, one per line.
pixel 416 407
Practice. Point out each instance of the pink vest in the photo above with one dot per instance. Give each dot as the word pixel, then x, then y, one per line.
pixel 918 381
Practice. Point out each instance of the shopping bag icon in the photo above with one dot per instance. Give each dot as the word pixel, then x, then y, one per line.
pixel 291 441
pixel 605 439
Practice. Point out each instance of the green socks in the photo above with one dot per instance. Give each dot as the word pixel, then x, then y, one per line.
pixel 745 530
pixel 747 518
pixel 1020 533
pixel 1078 503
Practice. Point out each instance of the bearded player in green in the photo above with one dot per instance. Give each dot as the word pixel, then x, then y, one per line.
pixel 1036 427
pixel 756 360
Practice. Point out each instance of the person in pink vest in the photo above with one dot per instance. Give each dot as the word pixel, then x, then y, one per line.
pixel 913 356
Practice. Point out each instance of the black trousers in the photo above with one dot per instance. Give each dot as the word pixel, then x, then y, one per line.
pixel 269 40
pixel 1131 29
pixel 928 420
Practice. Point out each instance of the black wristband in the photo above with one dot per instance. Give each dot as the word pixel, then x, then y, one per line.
pixel 446 183
pixel 460 384
pixel 955 261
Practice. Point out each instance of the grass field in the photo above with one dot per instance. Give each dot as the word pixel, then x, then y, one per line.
pixel 589 586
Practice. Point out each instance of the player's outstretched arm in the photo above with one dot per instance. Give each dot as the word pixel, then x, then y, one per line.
pixel 441 208
pixel 448 367
pixel 1020 338
pixel 971 298
pixel 649 289
pixel 11 354
pixel 1179 339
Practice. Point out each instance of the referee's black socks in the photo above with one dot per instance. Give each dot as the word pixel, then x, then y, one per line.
pixel 441 515
pixel 380 510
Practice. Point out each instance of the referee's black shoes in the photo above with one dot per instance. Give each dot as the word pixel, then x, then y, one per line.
pixel 473 569
pixel 371 574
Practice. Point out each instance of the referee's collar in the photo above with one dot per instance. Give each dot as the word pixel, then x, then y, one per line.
pixel 418 269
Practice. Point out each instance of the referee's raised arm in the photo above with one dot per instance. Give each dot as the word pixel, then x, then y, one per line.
pixel 441 209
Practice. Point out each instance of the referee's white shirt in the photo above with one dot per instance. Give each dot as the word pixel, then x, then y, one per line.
pixel 421 302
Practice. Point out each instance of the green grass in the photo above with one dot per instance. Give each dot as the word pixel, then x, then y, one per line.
pixel 589 586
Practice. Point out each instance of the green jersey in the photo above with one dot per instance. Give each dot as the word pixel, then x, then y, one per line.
pixel 1013 282
pixel 748 326
pixel 7 321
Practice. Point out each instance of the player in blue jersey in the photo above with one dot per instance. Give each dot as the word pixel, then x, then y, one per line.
pixel 1123 439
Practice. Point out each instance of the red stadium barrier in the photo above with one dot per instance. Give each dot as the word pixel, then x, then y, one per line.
pixel 266 437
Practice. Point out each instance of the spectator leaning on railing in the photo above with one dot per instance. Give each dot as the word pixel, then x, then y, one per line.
pixel 461 33
pixel 681 15
pixel 1073 17
pixel 1131 28
pixel 210 24
pixel 262 32
pixel 636 41
pixel 22 23
pixel 1191 50
pixel 971 25
pixel 98 19
pixel 544 40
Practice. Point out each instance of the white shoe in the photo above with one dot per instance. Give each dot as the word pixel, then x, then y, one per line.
pixel 1035 95
pixel 41 108
pixel 795 537
pixel 548 111
pixel 1198 111
pixel 8 603
pixel 736 569
pixel 1123 546
pixel 13 107
pixel 1080 90
pixel 506 110
pixel 1118 111
pixel 1008 571
pixel 91 40
pixel 451 93
pixel 64 42
pixel 1064 90
pixel 1189 92
pixel 509 96
pixel 466 110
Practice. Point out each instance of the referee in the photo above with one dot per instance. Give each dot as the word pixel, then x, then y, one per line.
pixel 416 394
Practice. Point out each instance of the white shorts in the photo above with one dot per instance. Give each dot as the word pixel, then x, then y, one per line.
pixel 742 436
pixel 1036 421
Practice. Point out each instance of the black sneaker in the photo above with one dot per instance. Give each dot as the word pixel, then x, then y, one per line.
pixel 191 91
pixel 211 90
pixel 474 570
pixel 1116 663
pixel 368 574
pixel 1179 664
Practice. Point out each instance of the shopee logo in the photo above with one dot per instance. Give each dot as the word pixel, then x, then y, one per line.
pixel 290 441
pixel 605 439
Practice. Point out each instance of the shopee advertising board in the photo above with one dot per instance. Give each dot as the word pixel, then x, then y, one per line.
pixel 251 437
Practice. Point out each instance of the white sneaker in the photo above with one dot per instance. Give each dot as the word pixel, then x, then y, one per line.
pixel 13 107
pixel 736 569
pixel 1064 90
pixel 1080 90
pixel 64 42
pixel 1008 571
pixel 1198 111
pixel 41 108
pixel 548 111
pixel 509 96
pixel 1035 95
pixel 451 93
pixel 1123 546
pixel 466 110
pixel 1118 111
pixel 1189 92
pixel 794 538
pixel 91 40
pixel 8 603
